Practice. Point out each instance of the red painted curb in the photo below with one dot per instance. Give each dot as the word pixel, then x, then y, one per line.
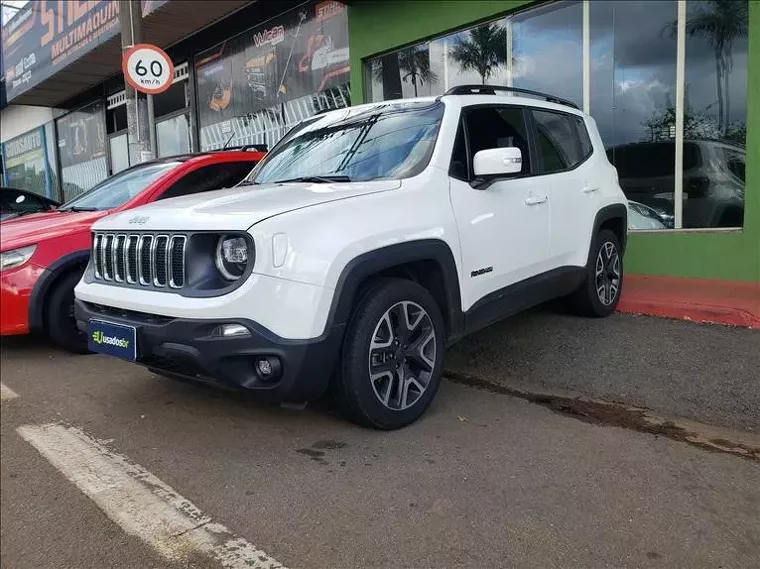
pixel 709 301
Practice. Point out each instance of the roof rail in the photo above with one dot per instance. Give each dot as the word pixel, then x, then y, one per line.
pixel 491 90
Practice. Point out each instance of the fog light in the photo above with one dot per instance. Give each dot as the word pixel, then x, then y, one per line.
pixel 265 367
pixel 268 368
pixel 231 330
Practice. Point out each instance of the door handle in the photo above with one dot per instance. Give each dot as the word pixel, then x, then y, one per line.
pixel 590 189
pixel 535 200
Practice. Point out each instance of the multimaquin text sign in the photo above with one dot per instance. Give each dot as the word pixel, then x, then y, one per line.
pixel 46 35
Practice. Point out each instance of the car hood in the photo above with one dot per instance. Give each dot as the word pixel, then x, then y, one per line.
pixel 237 208
pixel 37 227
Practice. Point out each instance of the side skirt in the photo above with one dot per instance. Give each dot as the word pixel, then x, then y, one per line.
pixel 522 295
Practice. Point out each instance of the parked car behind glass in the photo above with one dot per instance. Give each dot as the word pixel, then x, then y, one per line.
pixel 713 179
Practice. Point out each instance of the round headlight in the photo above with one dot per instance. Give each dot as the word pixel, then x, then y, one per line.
pixel 232 255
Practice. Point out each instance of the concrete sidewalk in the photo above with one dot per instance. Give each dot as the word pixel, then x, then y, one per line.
pixel 721 302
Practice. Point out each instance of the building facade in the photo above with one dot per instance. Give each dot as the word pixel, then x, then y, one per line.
pixel 674 86
pixel 245 72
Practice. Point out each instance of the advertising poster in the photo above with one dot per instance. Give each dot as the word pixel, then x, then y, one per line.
pixel 25 162
pixel 46 35
pixel 82 149
pixel 259 82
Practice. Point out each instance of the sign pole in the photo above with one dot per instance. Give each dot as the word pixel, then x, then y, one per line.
pixel 138 119
pixel 152 124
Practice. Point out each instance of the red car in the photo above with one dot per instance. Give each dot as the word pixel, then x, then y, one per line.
pixel 43 255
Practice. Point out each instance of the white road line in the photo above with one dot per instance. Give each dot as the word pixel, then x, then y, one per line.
pixel 6 392
pixel 140 503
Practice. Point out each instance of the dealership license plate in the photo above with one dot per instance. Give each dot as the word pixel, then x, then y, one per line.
pixel 112 339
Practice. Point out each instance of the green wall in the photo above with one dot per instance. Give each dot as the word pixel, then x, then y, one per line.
pixel 377 26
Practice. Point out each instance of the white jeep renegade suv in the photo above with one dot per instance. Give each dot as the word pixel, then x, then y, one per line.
pixel 364 243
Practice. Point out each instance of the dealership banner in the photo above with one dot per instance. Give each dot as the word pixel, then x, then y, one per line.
pixel 46 35
pixel 82 135
pixel 265 74
pixel 24 148
pixel 25 162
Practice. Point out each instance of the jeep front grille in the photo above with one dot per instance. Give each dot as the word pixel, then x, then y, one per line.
pixel 148 260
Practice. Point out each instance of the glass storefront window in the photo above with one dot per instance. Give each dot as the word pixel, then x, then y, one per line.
pixel 631 90
pixel 715 113
pixel 254 87
pixel 547 50
pixel 474 56
pixel 406 73
pixel 173 136
pixel 633 93
pixel 82 149
pixel 119 146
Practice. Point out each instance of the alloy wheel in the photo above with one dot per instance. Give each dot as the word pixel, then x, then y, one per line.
pixel 402 355
pixel 607 276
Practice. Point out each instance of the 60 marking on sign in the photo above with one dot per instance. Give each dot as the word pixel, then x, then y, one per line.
pixel 147 68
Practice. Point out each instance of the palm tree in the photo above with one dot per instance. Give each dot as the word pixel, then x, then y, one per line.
pixel 414 63
pixel 484 50
pixel 411 65
pixel 724 22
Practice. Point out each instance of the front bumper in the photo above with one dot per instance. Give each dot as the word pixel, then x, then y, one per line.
pixel 16 286
pixel 185 347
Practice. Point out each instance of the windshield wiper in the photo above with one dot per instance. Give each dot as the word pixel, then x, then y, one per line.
pixel 315 179
pixel 77 208
pixel 248 183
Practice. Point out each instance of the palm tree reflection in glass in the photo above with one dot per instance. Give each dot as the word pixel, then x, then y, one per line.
pixel 483 50
pixel 413 65
pixel 720 23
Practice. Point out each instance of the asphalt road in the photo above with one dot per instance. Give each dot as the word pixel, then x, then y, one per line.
pixel 708 373
pixel 483 480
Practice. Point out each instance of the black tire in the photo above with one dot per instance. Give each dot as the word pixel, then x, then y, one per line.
pixel 59 315
pixel 357 395
pixel 587 299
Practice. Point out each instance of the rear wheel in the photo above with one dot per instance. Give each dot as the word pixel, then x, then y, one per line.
pixel 61 325
pixel 392 356
pixel 600 292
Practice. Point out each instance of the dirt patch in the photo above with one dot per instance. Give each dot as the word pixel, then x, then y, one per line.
pixel 615 414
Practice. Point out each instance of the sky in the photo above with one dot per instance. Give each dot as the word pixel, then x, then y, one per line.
pixel 8 8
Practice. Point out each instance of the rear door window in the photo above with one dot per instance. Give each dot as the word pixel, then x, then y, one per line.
pixel 558 141
pixel 583 137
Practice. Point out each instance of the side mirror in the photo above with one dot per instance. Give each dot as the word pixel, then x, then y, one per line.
pixel 496 162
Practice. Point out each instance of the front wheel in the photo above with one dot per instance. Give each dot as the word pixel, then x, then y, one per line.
pixel 600 292
pixel 61 324
pixel 392 356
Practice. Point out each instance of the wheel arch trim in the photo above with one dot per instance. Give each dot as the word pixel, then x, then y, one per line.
pixel 373 262
pixel 44 283
pixel 614 211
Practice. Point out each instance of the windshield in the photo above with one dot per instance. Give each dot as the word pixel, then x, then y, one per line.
pixel 388 141
pixel 119 189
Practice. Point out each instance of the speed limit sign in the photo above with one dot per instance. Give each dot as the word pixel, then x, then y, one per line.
pixel 147 68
